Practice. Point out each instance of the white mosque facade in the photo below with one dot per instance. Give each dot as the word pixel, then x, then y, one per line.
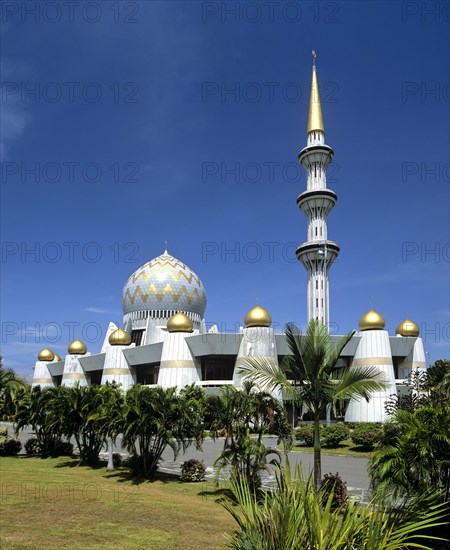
pixel 164 340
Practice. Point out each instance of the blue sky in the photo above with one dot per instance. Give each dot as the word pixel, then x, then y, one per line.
pixel 141 112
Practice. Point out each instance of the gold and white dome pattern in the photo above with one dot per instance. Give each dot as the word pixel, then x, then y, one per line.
pixel 164 284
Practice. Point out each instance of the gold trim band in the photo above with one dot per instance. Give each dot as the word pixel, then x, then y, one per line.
pixel 117 371
pixel 73 376
pixel 42 381
pixel 372 361
pixel 181 364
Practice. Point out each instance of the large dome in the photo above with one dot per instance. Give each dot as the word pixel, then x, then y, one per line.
pixel 164 284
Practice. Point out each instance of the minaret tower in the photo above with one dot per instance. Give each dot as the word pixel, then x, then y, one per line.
pixel 318 253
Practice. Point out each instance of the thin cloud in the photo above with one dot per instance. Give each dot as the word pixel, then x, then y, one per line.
pixel 100 310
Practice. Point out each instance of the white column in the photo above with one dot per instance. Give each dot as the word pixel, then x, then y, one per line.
pixel 74 372
pixel 373 350
pixel 42 376
pixel 116 368
pixel 178 366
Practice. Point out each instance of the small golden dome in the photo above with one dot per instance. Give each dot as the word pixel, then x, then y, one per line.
pixel 407 328
pixel 258 317
pixel 180 323
pixel 119 338
pixel 77 348
pixel 46 355
pixel 372 321
pixel 57 357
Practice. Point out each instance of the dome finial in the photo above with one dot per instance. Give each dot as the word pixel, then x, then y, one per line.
pixel 315 121
pixel 165 247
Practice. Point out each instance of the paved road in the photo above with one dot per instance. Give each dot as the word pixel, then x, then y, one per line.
pixel 353 470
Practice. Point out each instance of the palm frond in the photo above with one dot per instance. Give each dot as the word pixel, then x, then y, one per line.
pixel 358 382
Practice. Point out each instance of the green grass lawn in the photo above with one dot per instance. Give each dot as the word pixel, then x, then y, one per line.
pixel 54 503
pixel 347 447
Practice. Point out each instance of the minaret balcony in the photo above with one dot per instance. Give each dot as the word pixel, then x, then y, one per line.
pixel 317 203
pixel 322 154
pixel 316 254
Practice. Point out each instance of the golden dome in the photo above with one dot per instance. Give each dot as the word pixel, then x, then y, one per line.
pixel 372 321
pixel 407 328
pixel 46 355
pixel 258 317
pixel 57 357
pixel 119 338
pixel 180 323
pixel 77 348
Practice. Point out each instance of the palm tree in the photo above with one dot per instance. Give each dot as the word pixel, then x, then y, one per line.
pixel 10 386
pixel 413 456
pixel 34 408
pixel 309 376
pixel 295 516
pixel 246 415
pixel 154 418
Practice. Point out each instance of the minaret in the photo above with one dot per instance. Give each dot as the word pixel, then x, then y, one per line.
pixel 318 253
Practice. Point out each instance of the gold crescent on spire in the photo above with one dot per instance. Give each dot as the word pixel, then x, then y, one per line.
pixel 315 120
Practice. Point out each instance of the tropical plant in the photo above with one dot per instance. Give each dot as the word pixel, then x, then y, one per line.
pixel 305 434
pixel 333 484
pixel 413 455
pixel 367 435
pixel 333 435
pixel 155 418
pixel 295 517
pixel 309 376
pixel 74 413
pixel 193 470
pixel 106 417
pixel 11 386
pixel 246 415
pixel 34 409
pixel 10 447
pixel 438 380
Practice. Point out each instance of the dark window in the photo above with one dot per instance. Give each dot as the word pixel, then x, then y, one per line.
pixel 218 367
pixel 147 374
pixel 96 377
pixel 136 336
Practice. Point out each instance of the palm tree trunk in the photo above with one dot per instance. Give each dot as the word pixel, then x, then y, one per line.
pixel 110 465
pixel 317 461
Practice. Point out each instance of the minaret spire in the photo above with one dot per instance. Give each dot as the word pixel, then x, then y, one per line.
pixel 315 120
pixel 318 253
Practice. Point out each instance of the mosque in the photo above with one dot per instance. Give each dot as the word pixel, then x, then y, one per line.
pixel 164 340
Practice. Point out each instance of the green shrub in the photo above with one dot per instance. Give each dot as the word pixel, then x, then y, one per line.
pixel 367 434
pixel 333 482
pixel 55 448
pixel 352 425
pixel 3 432
pixel 32 446
pixel 10 447
pixel 333 435
pixel 305 433
pixel 63 448
pixel 193 470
